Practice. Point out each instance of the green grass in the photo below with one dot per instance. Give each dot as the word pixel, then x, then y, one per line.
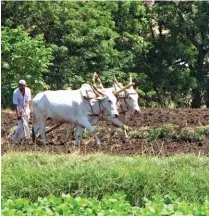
pixel 31 175
pixel 113 205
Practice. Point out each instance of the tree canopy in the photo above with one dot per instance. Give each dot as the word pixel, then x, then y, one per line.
pixel 53 44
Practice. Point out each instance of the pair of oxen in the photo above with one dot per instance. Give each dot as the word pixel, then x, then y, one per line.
pixel 84 107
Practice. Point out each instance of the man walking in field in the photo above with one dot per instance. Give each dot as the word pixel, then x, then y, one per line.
pixel 21 100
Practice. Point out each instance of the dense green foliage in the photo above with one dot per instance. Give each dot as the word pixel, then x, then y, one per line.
pixel 113 205
pixel 30 175
pixel 23 56
pixel 165 46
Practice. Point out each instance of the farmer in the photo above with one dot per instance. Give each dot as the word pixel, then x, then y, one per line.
pixel 21 100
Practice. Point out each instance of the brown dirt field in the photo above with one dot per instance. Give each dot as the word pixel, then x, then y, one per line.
pixel 147 118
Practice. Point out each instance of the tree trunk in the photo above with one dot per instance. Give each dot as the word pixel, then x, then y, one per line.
pixel 207 98
pixel 196 101
pixel 207 104
pixel 197 98
pixel 159 98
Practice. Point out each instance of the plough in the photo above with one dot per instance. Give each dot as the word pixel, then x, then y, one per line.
pixel 51 129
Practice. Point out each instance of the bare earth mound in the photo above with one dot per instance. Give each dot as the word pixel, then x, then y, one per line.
pixel 149 118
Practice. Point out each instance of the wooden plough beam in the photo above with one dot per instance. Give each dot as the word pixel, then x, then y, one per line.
pixel 51 129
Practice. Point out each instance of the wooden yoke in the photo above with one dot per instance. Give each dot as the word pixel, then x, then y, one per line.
pixel 123 89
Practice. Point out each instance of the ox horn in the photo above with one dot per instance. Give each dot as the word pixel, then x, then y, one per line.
pixel 131 78
pixel 117 83
pixel 96 78
pixel 94 85
pixel 97 90
pixel 123 89
pixel 115 80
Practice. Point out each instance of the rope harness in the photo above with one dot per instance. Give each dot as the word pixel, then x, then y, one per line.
pixel 120 101
pixel 124 98
pixel 100 105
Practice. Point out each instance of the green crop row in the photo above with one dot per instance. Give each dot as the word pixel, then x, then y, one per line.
pixel 113 205
pixel 171 132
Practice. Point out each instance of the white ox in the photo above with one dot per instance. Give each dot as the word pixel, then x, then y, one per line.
pixel 126 101
pixel 70 106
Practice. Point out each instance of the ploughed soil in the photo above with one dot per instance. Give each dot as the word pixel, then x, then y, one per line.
pixel 147 119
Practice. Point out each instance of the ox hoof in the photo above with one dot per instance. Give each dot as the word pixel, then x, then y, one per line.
pixel 75 145
pixel 30 142
pixel 98 143
pixel 124 141
pixel 98 146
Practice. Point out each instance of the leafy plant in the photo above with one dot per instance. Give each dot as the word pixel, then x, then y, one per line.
pixel 203 130
pixel 138 134
pixel 172 206
pixel 67 205
pixel 189 134
pixel 164 132
pixel 112 205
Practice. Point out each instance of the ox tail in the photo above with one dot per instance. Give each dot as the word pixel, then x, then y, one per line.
pixel 33 132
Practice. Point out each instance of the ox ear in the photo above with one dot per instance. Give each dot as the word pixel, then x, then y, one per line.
pixel 116 83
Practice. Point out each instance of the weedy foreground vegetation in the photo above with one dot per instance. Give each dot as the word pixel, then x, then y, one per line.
pixel 172 132
pixel 167 131
pixel 99 184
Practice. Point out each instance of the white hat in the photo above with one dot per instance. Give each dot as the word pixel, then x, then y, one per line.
pixel 22 82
